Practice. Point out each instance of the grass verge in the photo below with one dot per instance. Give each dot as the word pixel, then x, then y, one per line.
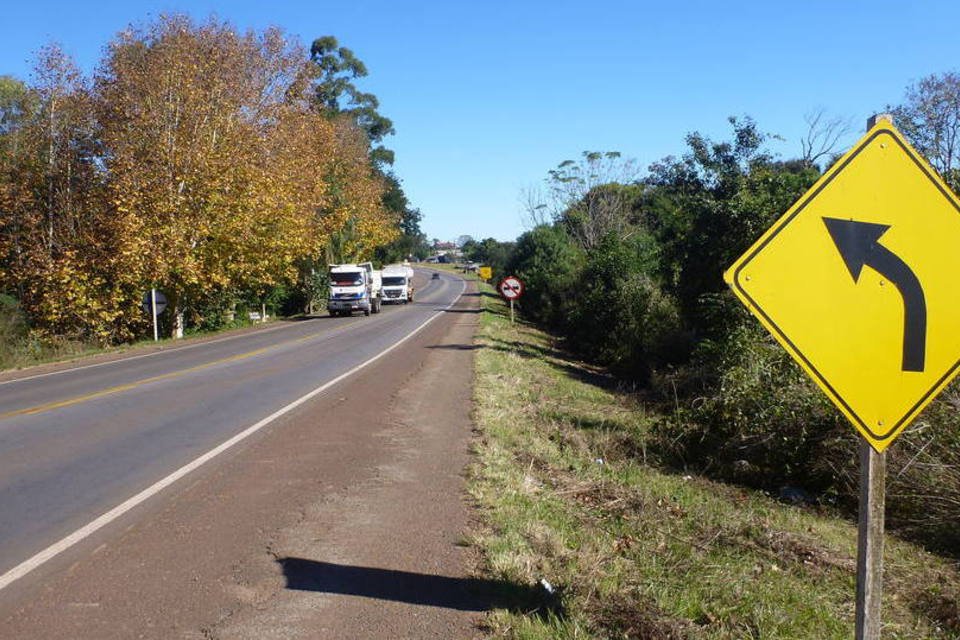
pixel 568 494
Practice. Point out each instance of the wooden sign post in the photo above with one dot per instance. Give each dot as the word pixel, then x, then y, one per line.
pixel 873 477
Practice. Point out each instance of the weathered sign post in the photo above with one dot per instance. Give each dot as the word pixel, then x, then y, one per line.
pixel 511 288
pixel 154 303
pixel 857 282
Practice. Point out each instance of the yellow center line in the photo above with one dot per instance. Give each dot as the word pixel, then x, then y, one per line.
pixel 126 387
pixel 59 404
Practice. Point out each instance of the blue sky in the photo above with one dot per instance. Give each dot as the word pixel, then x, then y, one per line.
pixel 488 96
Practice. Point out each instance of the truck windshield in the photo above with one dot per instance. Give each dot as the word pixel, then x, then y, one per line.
pixel 345 280
pixel 394 281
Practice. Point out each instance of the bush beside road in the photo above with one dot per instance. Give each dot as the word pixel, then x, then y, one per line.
pixel 571 498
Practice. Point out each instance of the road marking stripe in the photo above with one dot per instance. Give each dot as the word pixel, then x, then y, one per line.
pixel 130 385
pixel 59 404
pixel 89 529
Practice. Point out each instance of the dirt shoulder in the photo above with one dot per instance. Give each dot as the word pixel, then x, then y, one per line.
pixel 343 520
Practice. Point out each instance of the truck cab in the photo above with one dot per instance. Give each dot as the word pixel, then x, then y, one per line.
pixel 354 287
pixel 397 283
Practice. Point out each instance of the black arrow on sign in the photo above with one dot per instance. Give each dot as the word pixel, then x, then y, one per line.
pixel 858 245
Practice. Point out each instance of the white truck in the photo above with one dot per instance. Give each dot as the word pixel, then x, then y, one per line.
pixel 354 287
pixel 398 283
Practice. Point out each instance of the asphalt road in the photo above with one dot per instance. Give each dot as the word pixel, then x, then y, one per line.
pixel 77 442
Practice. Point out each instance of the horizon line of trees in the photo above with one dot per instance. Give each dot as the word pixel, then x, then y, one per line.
pixel 209 163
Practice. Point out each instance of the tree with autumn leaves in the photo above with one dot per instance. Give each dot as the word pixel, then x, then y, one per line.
pixel 197 159
pixel 51 227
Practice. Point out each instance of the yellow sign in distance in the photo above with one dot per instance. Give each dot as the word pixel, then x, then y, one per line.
pixel 486 273
pixel 858 281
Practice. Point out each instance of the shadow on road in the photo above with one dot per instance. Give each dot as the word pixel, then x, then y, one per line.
pixel 461 310
pixel 462 594
pixel 455 347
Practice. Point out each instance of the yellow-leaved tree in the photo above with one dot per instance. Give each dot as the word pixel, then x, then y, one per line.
pixel 196 161
pixel 222 172
pixel 58 240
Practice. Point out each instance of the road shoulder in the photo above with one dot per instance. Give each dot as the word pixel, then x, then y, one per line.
pixel 384 559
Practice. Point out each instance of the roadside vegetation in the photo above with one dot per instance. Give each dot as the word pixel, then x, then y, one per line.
pixel 224 168
pixel 576 497
pixel 21 348
pixel 642 434
pixel 625 268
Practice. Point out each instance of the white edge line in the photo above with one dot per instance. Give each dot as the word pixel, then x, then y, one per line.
pixel 89 529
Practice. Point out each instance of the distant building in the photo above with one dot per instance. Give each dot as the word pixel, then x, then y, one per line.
pixel 445 252
pixel 444 247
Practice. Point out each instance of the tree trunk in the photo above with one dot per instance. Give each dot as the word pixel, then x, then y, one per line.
pixel 176 315
pixel 178 324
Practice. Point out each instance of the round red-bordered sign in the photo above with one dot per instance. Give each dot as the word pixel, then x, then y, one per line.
pixel 510 287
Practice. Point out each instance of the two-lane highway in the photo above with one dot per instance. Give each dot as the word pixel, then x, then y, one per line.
pixel 82 446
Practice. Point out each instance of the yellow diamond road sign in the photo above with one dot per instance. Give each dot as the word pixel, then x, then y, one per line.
pixel 860 283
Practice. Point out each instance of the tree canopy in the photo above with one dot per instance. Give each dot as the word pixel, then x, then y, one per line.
pixel 336 93
pixel 194 160
pixel 930 118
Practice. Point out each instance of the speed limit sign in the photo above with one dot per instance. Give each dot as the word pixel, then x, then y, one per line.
pixel 511 287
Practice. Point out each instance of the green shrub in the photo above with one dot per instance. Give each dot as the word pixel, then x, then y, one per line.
pixel 13 330
pixel 621 317
pixel 213 313
pixel 757 420
pixel 743 411
pixel 549 264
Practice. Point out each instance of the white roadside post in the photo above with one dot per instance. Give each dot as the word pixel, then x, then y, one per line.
pixel 153 311
pixel 154 303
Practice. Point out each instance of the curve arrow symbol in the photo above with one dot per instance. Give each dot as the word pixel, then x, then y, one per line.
pixel 858 244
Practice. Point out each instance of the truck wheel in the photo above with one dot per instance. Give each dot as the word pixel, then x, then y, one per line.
pixel 333 314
